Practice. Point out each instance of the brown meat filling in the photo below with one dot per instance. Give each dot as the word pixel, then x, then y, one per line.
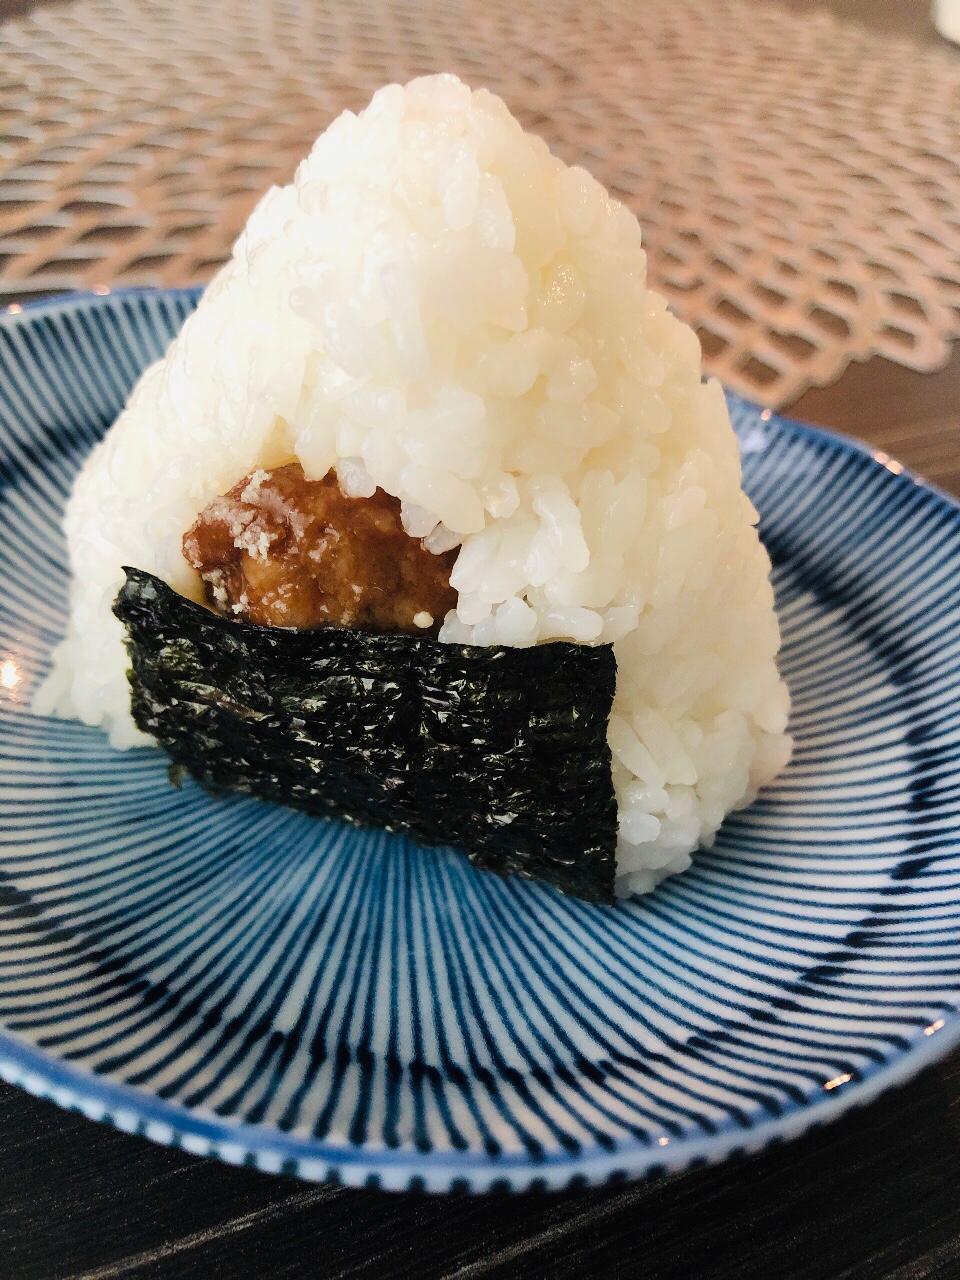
pixel 285 551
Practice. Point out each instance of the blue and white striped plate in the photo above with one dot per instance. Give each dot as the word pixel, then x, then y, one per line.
pixel 241 980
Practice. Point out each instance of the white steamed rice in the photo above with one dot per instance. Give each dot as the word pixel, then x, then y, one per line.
pixel 439 306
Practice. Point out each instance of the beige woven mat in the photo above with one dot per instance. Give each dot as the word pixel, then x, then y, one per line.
pixel 798 180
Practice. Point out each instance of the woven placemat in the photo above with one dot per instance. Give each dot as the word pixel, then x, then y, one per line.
pixel 797 178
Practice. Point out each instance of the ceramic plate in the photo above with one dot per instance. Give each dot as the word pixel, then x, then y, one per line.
pixel 240 980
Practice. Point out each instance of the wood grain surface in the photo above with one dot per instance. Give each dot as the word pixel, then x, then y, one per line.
pixel 872 1197
pixel 875 1196
pixel 914 417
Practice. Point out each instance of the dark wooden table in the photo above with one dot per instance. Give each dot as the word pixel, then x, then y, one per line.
pixel 874 1197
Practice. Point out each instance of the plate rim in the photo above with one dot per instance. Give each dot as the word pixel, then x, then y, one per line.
pixel 137 1111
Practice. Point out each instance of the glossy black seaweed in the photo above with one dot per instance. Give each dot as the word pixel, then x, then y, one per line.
pixel 499 752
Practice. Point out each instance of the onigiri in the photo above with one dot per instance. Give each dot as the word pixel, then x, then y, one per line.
pixel 438 309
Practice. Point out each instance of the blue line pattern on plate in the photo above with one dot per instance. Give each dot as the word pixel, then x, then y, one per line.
pixel 248 982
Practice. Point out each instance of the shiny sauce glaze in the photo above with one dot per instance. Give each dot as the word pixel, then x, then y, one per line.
pixel 284 551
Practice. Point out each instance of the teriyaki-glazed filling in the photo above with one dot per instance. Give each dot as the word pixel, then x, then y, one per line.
pixel 285 551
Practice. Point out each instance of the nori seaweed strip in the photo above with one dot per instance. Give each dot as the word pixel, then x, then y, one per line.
pixel 500 752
